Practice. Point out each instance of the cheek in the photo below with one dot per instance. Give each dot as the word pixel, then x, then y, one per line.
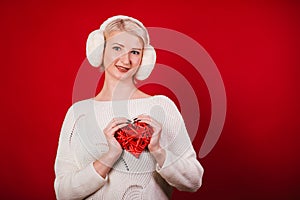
pixel 136 60
pixel 108 58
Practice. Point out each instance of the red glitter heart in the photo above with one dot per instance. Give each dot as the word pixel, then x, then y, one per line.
pixel 134 137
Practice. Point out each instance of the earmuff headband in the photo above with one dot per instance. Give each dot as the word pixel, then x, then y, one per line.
pixel 96 42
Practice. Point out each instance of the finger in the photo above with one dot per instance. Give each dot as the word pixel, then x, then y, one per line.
pixel 150 121
pixel 143 116
pixel 112 131
pixel 116 121
pixel 147 121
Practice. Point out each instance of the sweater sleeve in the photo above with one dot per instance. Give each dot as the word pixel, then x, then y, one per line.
pixel 181 169
pixel 71 182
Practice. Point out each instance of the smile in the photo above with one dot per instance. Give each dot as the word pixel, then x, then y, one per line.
pixel 122 69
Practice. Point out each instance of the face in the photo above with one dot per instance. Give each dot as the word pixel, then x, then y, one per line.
pixel 122 55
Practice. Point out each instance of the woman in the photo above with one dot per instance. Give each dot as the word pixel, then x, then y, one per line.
pixel 90 161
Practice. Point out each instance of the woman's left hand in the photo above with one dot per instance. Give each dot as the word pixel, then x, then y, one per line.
pixel 154 147
pixel 154 142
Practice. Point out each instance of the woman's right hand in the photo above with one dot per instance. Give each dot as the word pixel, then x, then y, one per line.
pixel 108 159
pixel 115 149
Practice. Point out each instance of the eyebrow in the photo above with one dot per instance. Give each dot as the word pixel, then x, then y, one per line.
pixel 124 46
pixel 119 44
pixel 137 49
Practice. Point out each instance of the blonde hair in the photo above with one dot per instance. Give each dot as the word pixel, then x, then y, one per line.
pixel 129 26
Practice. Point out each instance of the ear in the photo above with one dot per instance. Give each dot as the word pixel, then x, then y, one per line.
pixel 95 47
pixel 147 64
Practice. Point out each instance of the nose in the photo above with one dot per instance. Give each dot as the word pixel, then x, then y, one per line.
pixel 125 58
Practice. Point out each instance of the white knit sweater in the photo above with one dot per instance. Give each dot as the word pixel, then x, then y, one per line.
pixel 82 142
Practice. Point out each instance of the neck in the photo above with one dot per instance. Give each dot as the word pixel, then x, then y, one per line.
pixel 114 89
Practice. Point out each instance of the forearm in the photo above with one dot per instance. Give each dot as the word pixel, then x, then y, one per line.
pixel 105 163
pixel 78 184
pixel 183 172
pixel 159 155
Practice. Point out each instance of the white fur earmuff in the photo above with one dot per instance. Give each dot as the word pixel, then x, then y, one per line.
pixel 96 42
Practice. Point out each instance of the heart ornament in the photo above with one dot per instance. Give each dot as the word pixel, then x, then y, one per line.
pixel 134 137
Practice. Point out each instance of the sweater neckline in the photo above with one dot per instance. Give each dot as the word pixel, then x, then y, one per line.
pixel 122 100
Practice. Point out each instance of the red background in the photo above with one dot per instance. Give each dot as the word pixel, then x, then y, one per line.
pixel 255 46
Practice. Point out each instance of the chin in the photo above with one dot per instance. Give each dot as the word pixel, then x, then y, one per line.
pixel 121 77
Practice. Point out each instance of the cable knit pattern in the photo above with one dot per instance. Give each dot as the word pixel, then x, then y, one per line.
pixel 82 141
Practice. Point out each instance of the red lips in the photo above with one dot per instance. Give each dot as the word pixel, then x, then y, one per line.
pixel 134 137
pixel 122 69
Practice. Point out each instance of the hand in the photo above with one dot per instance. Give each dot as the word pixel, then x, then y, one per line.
pixel 115 149
pixel 157 127
pixel 154 147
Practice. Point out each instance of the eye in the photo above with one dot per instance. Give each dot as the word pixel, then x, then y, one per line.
pixel 135 52
pixel 116 48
